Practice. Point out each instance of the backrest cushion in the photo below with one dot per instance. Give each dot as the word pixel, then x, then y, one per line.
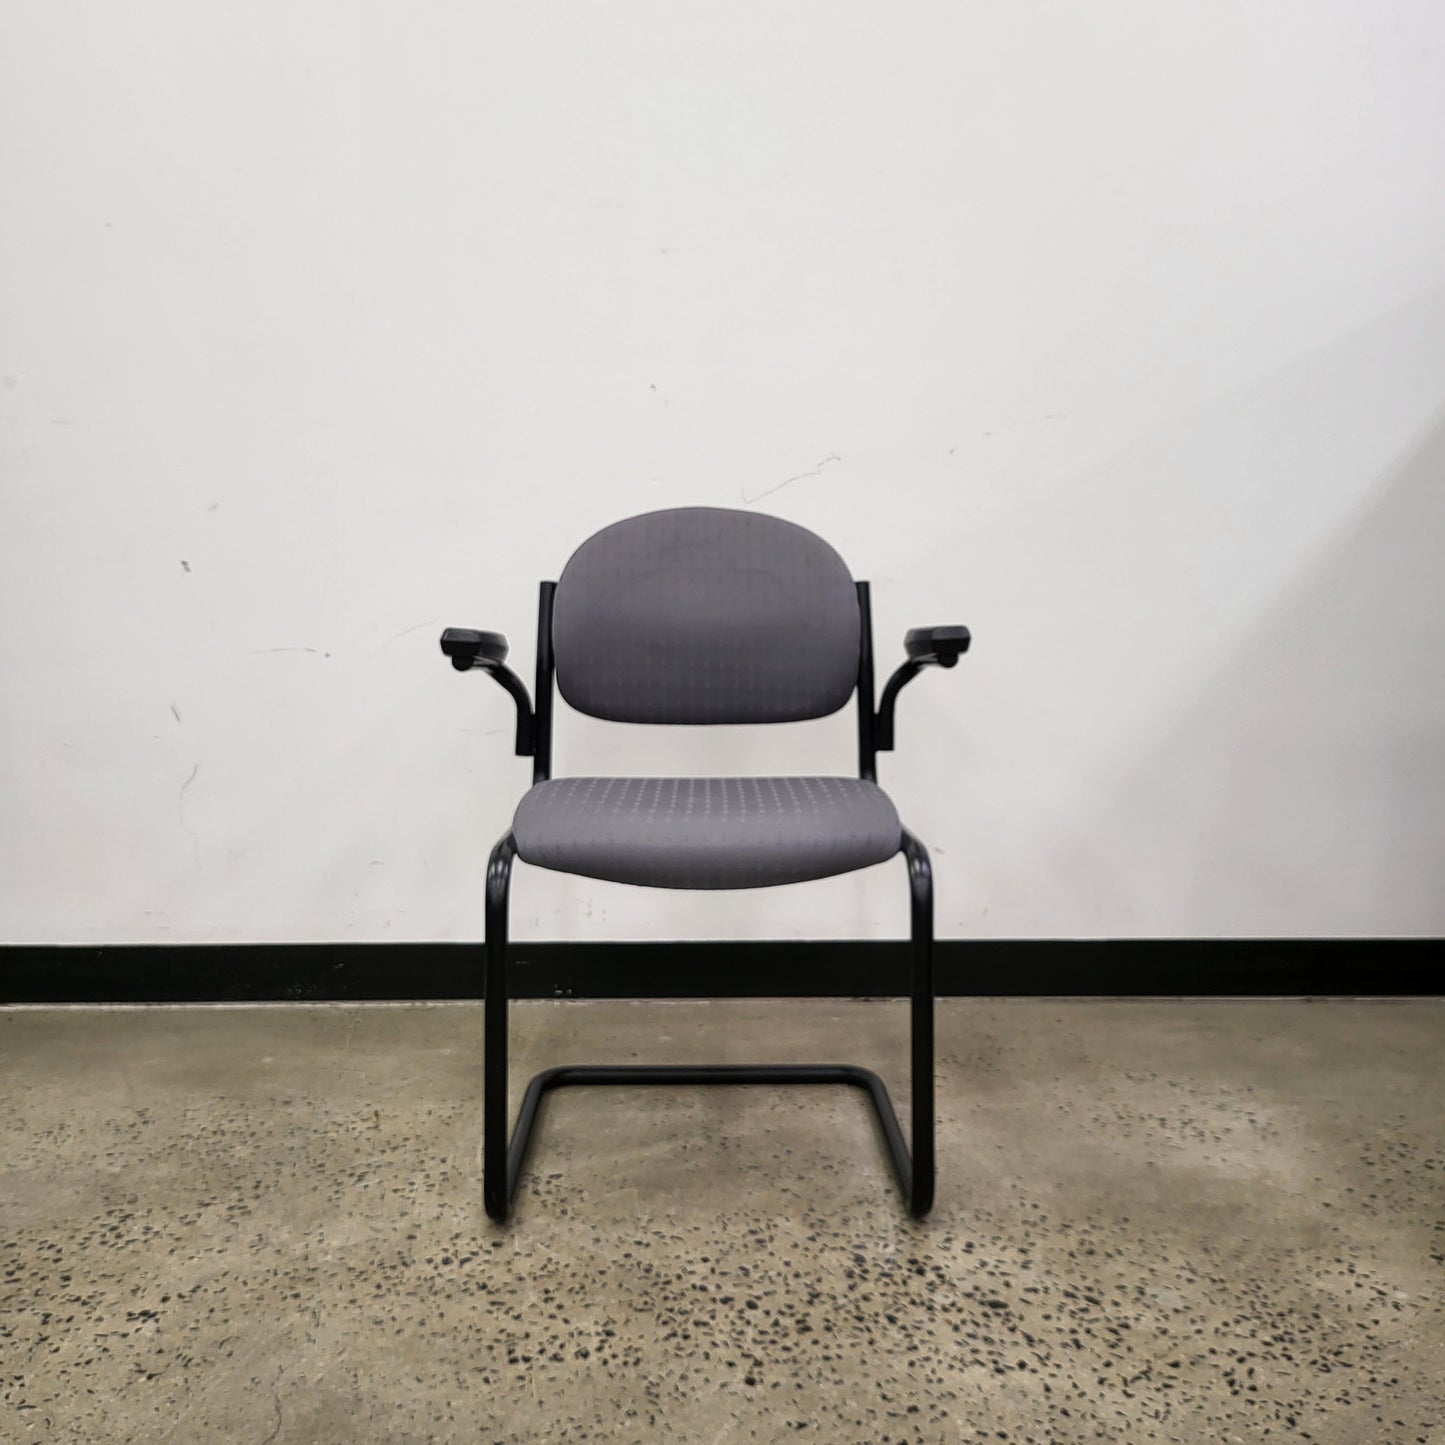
pixel 706 615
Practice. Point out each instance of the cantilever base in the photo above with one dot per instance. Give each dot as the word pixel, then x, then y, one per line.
pixel 504 1157
pixel 573 1074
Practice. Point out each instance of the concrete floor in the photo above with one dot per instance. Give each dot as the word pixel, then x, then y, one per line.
pixel 1155 1222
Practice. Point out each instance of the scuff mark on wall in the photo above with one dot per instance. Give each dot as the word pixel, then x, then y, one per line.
pixel 181 809
pixel 405 632
pixel 787 481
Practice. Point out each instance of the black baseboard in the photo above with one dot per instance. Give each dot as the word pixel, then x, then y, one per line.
pixel 294 973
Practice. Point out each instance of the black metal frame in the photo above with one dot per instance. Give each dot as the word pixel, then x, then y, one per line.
pixel 504 1158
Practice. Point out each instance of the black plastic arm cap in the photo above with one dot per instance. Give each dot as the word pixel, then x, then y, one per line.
pixel 941 645
pixel 469 648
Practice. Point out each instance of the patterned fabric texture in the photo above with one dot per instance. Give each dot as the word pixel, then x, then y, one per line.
pixel 706 832
pixel 706 615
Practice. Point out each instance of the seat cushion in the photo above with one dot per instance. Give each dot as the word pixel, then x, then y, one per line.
pixel 706 832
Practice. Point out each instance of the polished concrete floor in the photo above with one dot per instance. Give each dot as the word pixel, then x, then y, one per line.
pixel 1176 1221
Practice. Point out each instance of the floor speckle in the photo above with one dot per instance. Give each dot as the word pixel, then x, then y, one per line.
pixel 1156 1221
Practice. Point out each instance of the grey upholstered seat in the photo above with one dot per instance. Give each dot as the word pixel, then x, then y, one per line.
pixel 706 832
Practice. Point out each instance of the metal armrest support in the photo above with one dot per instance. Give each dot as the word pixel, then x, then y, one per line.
pixel 487 651
pixel 926 647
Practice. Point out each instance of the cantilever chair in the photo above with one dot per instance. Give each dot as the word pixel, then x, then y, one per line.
pixel 704 615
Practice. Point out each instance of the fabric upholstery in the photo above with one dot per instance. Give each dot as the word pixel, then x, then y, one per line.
pixel 706 832
pixel 706 615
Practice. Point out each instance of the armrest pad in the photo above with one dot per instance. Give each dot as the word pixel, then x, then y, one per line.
pixel 468 648
pixel 943 645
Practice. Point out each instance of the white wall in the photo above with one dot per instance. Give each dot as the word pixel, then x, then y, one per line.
pixel 1114 331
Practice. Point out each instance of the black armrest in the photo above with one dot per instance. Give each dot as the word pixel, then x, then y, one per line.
pixel 468 649
pixel 926 647
pixel 943 645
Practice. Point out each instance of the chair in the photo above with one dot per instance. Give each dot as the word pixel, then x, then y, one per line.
pixel 700 615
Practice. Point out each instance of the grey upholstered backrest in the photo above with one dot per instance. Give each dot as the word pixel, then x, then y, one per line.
pixel 706 615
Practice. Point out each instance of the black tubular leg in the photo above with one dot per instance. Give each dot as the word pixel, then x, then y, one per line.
pixel 496 1186
pixel 920 881
pixel 684 1074
pixel 503 1162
